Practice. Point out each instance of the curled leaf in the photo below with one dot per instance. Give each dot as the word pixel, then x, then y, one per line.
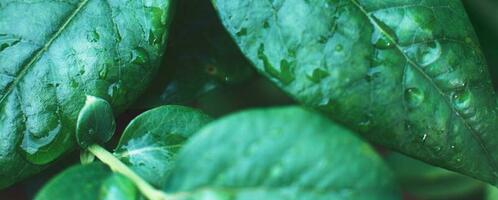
pixel 96 123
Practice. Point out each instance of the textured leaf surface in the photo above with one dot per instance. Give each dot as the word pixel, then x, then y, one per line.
pixel 52 54
pixel 150 142
pixel 407 74
pixel 281 153
pixel 200 57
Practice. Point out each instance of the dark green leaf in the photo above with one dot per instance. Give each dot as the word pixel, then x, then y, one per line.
pixel 54 52
pixel 151 140
pixel 428 182
pixel 96 123
pixel 483 15
pixel 281 153
pixel 201 57
pixel 407 74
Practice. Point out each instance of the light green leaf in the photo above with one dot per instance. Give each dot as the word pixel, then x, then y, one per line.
pixel 150 142
pixel 280 153
pixel 54 52
pixel 406 74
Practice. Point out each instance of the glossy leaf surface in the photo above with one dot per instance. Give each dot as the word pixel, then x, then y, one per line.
pixel 52 54
pixel 96 123
pixel 407 74
pixel 280 153
pixel 150 142
pixel 147 146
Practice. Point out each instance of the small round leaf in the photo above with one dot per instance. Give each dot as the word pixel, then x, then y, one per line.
pixel 96 123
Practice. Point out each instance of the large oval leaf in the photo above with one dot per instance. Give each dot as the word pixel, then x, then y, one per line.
pixel 52 54
pixel 281 153
pixel 150 142
pixel 407 74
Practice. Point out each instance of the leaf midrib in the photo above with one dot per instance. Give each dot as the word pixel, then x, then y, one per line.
pixel 25 68
pixel 475 135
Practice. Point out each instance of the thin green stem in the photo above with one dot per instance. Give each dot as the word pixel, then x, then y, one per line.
pixel 116 165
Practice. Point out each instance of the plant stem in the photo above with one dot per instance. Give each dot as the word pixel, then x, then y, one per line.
pixel 116 165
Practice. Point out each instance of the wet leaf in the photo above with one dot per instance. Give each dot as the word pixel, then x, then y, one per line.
pixel 406 74
pixel 53 53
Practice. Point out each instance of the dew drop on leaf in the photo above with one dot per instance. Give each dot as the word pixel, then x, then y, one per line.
pixel 317 75
pixel 414 97
pixel 462 99
pixel 428 53
pixel 93 36
pixel 383 36
pixel 139 56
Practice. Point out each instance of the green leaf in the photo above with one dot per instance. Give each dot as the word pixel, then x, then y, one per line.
pixel 201 57
pixel 96 123
pixel 78 182
pixel 147 146
pixel 91 181
pixel 406 74
pixel 54 52
pixel 118 187
pixel 491 193
pixel 428 182
pixel 280 153
pixel 150 142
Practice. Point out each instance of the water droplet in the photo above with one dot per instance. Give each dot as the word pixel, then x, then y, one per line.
pixel 459 159
pixel 462 99
pixel 384 37
pixel 276 171
pixel 242 32
pixel 266 24
pixel 424 137
pixel 468 40
pixel 452 147
pixel 93 36
pixel 115 90
pixel 414 97
pixel 8 42
pixel 139 56
pixel 428 53
pixel 285 74
pixel 339 47
pixel 73 83
pixel 103 71
pixel 317 75
pixel 438 148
